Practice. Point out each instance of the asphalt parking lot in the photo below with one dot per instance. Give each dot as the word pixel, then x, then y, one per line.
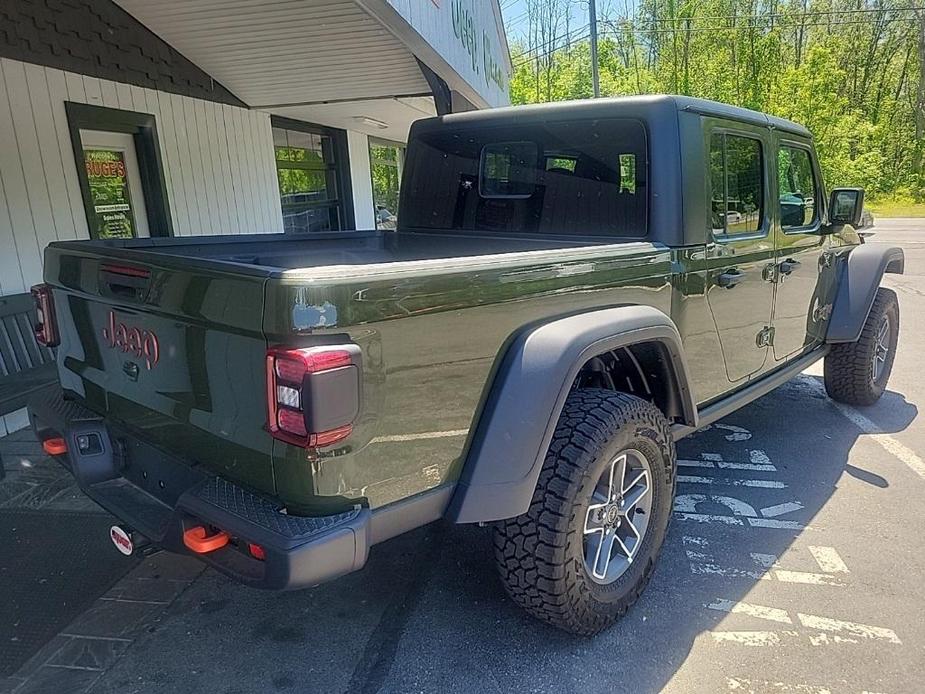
pixel 793 564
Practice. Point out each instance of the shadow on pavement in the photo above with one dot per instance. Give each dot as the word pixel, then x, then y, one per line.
pixel 428 613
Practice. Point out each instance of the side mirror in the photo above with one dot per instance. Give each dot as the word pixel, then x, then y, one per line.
pixel 846 206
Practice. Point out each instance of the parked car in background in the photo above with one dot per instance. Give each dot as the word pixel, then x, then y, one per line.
pixel 385 219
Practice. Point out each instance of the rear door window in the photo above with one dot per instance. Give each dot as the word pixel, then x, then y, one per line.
pixel 737 182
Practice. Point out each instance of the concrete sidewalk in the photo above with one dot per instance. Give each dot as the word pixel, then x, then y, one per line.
pixel 68 608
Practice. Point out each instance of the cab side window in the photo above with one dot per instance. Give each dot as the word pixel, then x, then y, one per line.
pixel 737 179
pixel 797 188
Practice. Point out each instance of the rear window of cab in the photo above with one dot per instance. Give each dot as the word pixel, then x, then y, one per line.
pixel 586 178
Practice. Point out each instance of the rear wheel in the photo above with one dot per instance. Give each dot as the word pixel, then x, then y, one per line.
pixel 584 551
pixel 857 372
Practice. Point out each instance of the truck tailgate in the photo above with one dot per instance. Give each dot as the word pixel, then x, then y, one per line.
pixel 170 347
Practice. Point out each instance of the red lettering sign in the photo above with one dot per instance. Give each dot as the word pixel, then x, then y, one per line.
pixel 142 343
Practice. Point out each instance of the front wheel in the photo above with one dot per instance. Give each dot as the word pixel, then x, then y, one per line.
pixel 857 372
pixel 585 550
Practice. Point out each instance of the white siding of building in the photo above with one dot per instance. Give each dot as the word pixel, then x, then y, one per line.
pixel 361 180
pixel 218 164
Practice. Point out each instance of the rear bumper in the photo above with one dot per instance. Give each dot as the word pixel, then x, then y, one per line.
pixel 161 497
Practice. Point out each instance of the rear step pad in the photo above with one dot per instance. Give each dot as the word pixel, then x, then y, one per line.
pixel 217 496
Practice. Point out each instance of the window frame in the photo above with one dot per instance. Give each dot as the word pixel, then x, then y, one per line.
pixel 817 184
pixel 764 229
pixel 340 168
pixel 143 129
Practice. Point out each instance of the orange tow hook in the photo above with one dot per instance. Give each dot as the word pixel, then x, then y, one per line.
pixel 198 540
pixel 55 446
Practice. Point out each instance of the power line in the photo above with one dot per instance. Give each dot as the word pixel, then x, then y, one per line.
pixel 685 30
pixel 639 30
pixel 566 38
pixel 577 39
pixel 771 15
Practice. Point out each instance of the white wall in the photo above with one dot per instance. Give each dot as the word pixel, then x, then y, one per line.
pixel 361 180
pixel 218 163
pixel 468 35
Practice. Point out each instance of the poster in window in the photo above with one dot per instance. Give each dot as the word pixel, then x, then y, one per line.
pixel 112 203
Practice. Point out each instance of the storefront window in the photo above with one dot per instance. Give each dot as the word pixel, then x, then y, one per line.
pixel 307 172
pixel 386 161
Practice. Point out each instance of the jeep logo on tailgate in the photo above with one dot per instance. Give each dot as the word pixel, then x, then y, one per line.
pixel 141 343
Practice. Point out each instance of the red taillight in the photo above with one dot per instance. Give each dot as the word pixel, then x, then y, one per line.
pixel 291 421
pixel 256 551
pixel 312 394
pixel 46 328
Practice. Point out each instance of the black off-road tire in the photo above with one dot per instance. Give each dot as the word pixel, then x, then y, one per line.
pixel 849 373
pixel 540 554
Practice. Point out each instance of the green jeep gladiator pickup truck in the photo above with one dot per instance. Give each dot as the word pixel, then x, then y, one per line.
pixel 571 288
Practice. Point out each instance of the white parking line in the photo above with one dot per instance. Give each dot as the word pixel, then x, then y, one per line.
pixel 806 577
pixel 781 509
pixel 837 625
pixel 828 559
pixel 778 524
pixel 747 638
pixel 772 614
pixel 708 518
pixel 772 523
pixel 774 638
pixel 706 568
pixel 770 561
pixel 702 562
pixel 727 465
pixel 730 482
pixel 685 507
pixel 891 445
pixel 810 621
pixel 745 684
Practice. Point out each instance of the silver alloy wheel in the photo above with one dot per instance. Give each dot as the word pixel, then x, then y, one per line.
pixel 881 349
pixel 617 518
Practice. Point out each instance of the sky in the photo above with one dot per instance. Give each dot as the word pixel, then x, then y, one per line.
pixel 515 13
pixel 515 16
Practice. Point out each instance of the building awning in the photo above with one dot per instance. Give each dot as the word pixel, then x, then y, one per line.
pixel 345 63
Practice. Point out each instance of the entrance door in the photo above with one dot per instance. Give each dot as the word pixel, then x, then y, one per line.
pixel 802 294
pixel 116 192
pixel 738 291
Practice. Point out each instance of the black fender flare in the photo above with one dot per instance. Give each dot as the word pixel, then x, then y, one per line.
pixel 531 384
pixel 858 281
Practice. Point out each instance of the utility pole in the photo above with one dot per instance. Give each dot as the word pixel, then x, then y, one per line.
pixel 592 19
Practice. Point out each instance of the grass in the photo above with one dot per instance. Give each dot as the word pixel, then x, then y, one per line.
pixel 896 208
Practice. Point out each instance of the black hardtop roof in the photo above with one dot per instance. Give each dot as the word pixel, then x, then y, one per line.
pixel 656 107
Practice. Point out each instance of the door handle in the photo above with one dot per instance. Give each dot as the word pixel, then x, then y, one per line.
pixel 730 278
pixel 789 265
